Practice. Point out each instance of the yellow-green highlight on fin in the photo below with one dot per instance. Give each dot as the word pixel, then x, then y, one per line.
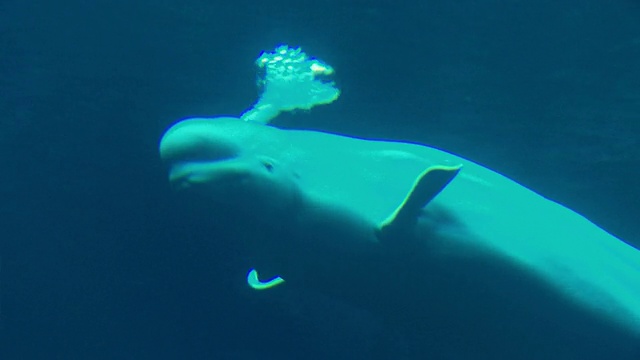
pixel 425 188
pixel 255 283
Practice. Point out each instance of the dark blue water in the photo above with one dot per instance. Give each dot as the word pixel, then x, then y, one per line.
pixel 100 260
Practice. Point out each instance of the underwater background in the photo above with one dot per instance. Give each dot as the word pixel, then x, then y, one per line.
pixel 101 260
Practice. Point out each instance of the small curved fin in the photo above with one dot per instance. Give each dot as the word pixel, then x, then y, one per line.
pixel 425 188
pixel 255 283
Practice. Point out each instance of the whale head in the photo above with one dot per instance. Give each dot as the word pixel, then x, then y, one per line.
pixel 223 160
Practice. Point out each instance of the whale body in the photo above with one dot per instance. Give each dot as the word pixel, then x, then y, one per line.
pixel 472 263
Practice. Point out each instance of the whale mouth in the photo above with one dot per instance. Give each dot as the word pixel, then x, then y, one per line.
pixel 197 152
pixel 180 177
pixel 224 173
pixel 185 174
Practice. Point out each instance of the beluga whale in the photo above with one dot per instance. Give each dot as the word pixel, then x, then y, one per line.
pixel 474 264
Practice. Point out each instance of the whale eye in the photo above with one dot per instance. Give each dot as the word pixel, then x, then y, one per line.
pixel 268 165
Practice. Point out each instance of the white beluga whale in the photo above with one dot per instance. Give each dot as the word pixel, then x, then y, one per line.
pixel 471 262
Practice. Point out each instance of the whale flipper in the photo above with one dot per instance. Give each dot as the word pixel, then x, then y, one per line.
pixel 427 186
pixel 254 281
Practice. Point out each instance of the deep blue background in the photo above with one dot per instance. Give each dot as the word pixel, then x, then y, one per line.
pixel 101 261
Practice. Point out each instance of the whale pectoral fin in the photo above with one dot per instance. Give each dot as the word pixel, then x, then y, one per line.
pixel 255 283
pixel 425 188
